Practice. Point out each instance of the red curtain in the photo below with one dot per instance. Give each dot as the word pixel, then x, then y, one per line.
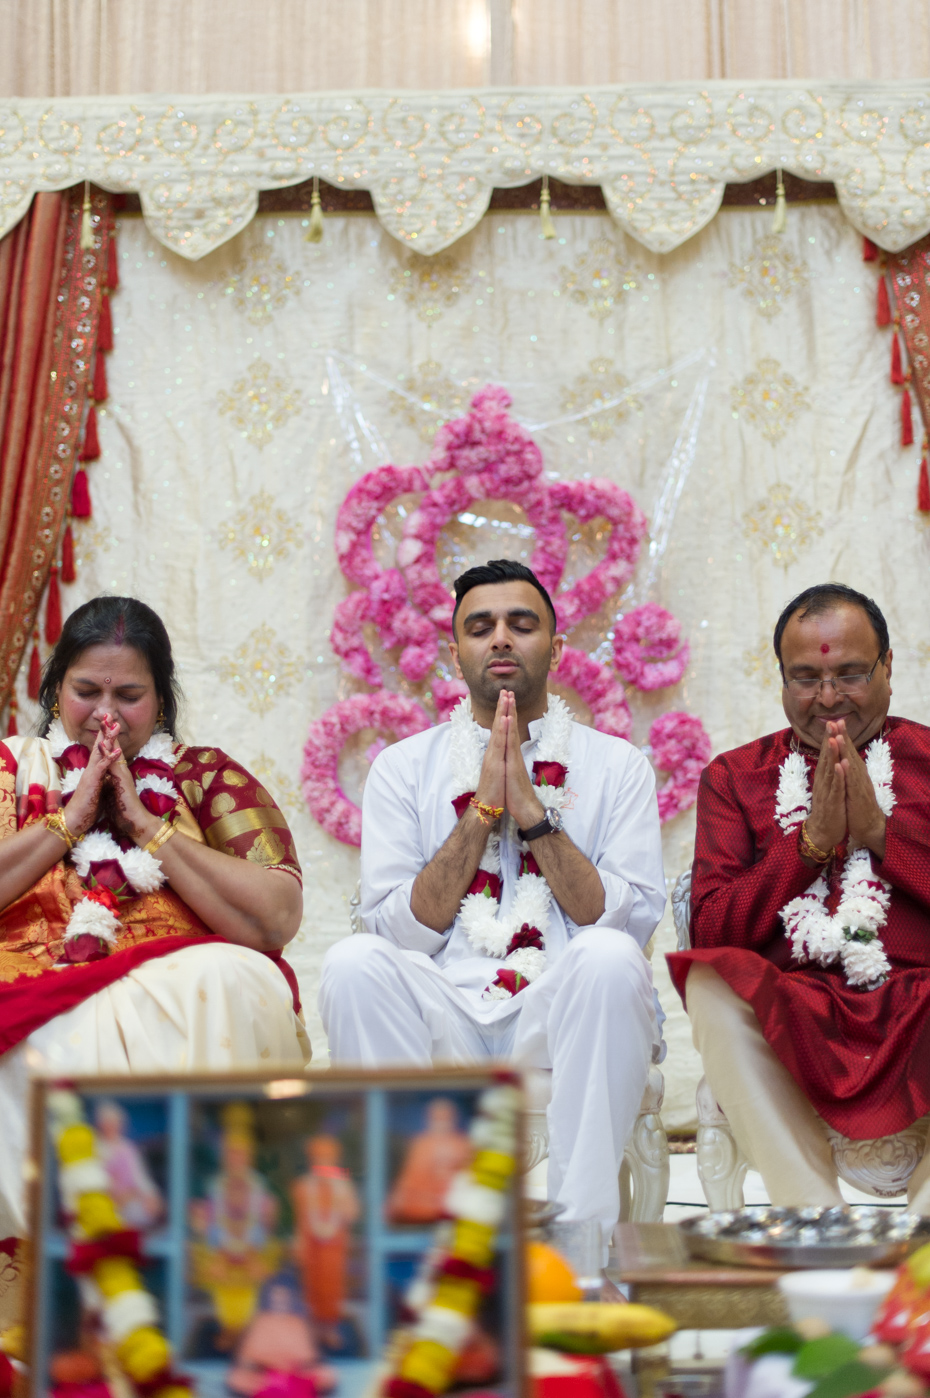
pixel 910 281
pixel 50 299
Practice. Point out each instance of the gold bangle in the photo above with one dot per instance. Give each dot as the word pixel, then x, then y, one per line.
pixel 486 814
pixel 56 822
pixel 160 837
pixel 807 846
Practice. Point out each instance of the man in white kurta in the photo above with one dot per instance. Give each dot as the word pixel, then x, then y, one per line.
pixel 404 992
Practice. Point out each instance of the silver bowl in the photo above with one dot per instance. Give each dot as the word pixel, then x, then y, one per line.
pixel 841 1236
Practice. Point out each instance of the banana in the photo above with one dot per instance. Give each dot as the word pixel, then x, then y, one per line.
pixel 594 1327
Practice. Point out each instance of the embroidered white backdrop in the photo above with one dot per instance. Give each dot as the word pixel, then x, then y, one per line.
pixel 250 389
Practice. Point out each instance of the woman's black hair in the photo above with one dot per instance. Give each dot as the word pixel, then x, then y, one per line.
pixel 113 621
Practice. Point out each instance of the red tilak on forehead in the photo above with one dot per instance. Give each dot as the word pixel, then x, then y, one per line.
pixel 824 649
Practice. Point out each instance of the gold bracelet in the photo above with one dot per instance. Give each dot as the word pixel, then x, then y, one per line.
pixel 486 814
pixel 59 826
pixel 160 837
pixel 807 846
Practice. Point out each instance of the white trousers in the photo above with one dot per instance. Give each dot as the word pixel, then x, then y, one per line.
pixel 590 1018
pixel 773 1122
pixel 200 1008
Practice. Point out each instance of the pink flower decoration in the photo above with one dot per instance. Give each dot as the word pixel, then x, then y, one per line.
pixel 359 511
pixel 599 689
pixel 328 735
pixel 647 649
pixel 596 499
pixel 681 747
pixel 446 694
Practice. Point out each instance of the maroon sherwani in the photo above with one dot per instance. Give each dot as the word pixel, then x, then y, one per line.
pixel 861 1057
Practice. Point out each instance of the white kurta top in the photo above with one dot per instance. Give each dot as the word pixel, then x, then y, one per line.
pixel 407 815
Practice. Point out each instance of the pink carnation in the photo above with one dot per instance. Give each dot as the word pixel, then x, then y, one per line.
pixel 647 648
pixel 359 511
pixel 589 500
pixel 329 805
pixel 599 689
pixel 681 747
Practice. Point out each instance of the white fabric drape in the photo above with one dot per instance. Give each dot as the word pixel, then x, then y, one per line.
pixel 68 47
pixel 250 390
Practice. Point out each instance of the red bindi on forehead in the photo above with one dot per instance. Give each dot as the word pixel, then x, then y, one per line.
pixel 824 649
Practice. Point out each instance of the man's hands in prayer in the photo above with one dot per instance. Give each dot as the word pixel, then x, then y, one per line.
pixel 864 818
pixel 504 778
pixel 843 799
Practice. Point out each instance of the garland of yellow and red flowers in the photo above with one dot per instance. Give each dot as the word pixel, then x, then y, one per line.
pixel 463 1272
pixel 105 1256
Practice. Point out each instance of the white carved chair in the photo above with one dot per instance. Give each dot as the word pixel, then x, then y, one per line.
pixel 644 1171
pixel 881 1167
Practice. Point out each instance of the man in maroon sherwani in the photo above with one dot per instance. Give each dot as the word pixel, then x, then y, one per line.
pixel 809 983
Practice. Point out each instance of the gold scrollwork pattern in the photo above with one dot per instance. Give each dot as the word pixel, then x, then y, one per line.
pixel 260 535
pixel 261 670
pixel 784 525
pixel 429 397
pixel 769 274
pixel 600 278
pixel 602 394
pixel 661 154
pixel 260 402
pixel 769 398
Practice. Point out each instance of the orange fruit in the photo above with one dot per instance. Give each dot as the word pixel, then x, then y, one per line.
pixel 548 1276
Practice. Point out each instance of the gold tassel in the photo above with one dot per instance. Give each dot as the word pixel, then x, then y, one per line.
pixel 545 217
pixel 780 221
pixel 87 228
pixel 315 228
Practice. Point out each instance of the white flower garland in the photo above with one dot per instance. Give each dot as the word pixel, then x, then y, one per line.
pixel 487 928
pixel 850 935
pixel 141 870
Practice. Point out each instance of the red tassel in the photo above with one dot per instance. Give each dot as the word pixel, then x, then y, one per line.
pixel 99 387
pixel 35 671
pixel 11 729
pixel 869 250
pixel 112 264
pixel 907 424
pixel 68 574
pixel 90 447
pixel 882 308
pixel 80 495
pixel 105 326
pixel 897 374
pixel 53 607
pixel 923 488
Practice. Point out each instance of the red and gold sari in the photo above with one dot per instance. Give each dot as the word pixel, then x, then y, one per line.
pixel 220 804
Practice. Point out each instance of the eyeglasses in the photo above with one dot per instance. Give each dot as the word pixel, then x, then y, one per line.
pixel 807 687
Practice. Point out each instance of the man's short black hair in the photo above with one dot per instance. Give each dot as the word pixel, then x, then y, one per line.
pixel 500 570
pixel 826 597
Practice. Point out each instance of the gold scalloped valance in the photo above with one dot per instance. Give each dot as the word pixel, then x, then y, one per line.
pixel 662 154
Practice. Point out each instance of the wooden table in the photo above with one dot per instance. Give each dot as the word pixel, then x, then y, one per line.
pixel 652 1260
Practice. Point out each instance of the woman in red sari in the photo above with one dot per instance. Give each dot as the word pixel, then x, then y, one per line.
pixel 147 888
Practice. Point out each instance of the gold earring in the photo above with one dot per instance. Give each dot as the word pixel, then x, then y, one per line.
pixel 56 712
pixel 161 714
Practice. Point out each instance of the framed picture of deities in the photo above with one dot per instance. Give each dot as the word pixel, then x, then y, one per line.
pixel 338 1233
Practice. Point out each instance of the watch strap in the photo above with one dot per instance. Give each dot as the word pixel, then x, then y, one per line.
pixel 543 828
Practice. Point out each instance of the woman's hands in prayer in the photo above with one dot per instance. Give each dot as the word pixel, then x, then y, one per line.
pixel 843 799
pixel 84 807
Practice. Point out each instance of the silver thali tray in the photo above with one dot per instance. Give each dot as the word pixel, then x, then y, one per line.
pixel 848 1236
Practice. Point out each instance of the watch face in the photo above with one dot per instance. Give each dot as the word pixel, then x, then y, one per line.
pixel 554 817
